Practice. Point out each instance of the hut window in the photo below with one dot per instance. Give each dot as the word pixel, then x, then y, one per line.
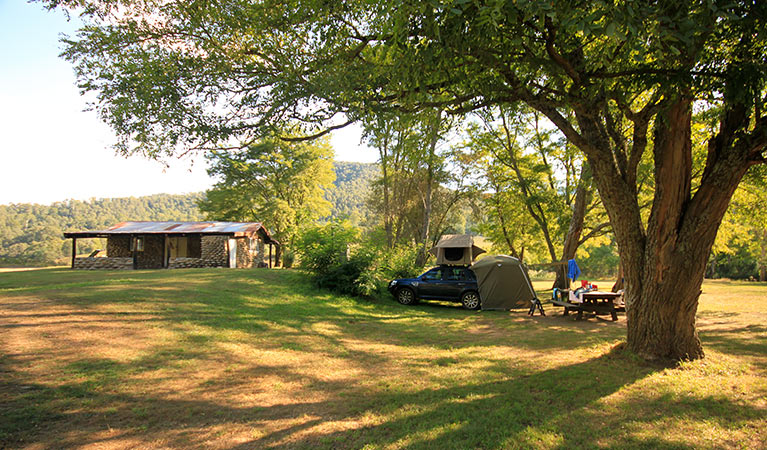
pixel 138 244
pixel 253 244
pixel 454 253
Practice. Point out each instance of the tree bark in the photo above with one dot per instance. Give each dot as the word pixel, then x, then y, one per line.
pixel 664 264
pixel 619 281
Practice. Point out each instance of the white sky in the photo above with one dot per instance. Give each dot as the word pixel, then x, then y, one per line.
pixel 52 150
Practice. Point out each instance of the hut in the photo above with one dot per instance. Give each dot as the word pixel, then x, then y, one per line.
pixel 172 245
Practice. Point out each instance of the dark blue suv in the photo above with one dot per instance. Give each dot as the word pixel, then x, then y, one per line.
pixel 452 283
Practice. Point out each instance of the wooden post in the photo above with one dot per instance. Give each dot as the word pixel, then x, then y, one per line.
pixel 165 255
pixel 74 251
pixel 133 245
pixel 270 255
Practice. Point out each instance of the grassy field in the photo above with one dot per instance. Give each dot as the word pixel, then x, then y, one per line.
pixel 260 359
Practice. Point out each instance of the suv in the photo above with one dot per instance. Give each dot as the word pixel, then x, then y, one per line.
pixel 452 283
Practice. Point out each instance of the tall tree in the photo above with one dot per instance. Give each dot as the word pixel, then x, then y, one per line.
pixel 411 194
pixel 195 75
pixel 281 184
pixel 549 177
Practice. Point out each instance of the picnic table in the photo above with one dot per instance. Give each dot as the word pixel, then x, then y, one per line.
pixel 597 302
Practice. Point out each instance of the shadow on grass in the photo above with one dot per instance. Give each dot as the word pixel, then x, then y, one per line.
pixel 559 407
pixel 737 340
pixel 285 305
pixel 503 405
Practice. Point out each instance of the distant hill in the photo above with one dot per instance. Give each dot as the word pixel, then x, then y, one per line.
pixel 32 234
pixel 352 189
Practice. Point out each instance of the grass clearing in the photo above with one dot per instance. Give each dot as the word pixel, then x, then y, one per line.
pixel 259 359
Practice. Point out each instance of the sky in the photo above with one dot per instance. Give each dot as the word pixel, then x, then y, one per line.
pixel 51 149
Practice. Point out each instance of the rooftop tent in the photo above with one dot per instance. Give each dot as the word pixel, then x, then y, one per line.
pixel 456 249
pixel 503 283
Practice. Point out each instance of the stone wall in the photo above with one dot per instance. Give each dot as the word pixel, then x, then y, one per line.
pixel 214 250
pixel 204 251
pixel 190 263
pixel 120 263
pixel 246 257
pixel 119 246
pixel 151 257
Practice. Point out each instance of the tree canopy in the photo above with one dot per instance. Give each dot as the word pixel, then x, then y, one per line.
pixel 281 184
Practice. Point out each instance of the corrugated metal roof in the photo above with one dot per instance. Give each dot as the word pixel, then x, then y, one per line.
pixel 226 228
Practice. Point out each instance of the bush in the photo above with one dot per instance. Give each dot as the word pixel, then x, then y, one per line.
pixel 351 277
pixel 324 247
pixel 288 259
pixel 341 263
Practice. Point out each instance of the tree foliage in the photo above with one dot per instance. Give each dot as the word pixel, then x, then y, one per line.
pixel 421 191
pixel 538 185
pixel 281 184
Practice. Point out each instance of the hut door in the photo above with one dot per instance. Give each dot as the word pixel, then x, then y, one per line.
pixel 233 253
pixel 178 247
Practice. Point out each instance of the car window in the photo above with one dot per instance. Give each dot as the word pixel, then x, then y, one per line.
pixel 469 275
pixel 454 274
pixel 433 274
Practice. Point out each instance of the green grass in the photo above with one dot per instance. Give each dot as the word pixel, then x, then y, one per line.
pixel 260 358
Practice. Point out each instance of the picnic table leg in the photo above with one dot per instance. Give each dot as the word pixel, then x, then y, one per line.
pixel 580 314
pixel 567 310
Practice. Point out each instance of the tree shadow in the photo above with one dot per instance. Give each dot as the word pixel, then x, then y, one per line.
pixel 562 404
pixel 502 405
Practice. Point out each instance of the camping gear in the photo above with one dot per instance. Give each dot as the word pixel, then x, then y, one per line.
pixel 456 250
pixel 535 304
pixel 503 283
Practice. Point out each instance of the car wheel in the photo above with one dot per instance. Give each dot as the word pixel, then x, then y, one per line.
pixel 470 300
pixel 406 296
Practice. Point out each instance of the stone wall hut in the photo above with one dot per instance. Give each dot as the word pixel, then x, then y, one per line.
pixel 173 245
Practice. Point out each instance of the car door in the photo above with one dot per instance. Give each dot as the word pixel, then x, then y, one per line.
pixel 429 283
pixel 453 283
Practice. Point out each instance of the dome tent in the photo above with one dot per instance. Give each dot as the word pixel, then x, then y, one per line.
pixel 456 250
pixel 503 283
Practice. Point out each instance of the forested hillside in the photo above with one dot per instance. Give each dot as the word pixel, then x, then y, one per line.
pixel 32 234
pixel 352 190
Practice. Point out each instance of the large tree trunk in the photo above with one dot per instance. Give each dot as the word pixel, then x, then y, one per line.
pixel 664 265
pixel 680 234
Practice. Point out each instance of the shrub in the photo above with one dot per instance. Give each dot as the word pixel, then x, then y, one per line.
pixel 341 263
pixel 324 247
